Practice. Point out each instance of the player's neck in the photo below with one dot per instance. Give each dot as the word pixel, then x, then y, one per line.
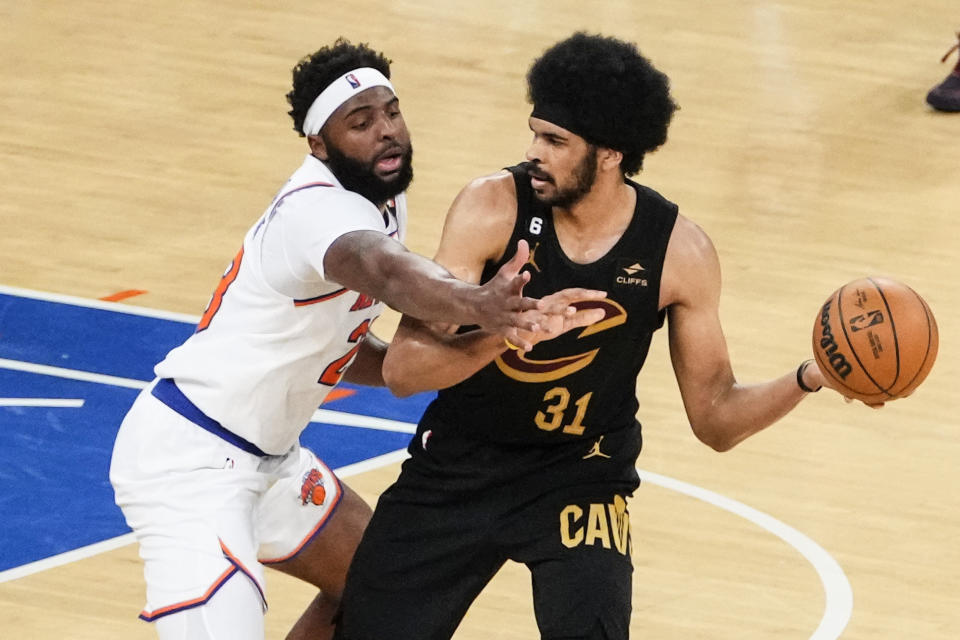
pixel 588 230
pixel 608 205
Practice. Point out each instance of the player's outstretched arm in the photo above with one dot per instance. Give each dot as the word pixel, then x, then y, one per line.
pixel 721 411
pixel 376 265
pixel 478 227
pixel 426 356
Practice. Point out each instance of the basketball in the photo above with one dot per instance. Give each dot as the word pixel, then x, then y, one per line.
pixel 875 339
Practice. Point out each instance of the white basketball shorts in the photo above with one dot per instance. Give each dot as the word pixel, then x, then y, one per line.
pixel 204 510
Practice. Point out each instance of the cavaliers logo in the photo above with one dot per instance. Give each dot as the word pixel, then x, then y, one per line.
pixel 312 490
pixel 518 366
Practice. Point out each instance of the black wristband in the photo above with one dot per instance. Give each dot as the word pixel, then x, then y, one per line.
pixel 800 383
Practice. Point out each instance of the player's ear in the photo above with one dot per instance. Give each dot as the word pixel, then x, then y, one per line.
pixel 609 158
pixel 318 147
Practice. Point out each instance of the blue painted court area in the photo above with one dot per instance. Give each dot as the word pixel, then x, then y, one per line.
pixel 69 370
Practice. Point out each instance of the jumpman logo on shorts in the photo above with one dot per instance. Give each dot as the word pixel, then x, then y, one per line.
pixel 595 451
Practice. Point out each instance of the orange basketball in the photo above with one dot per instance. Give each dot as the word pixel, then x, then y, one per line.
pixel 875 339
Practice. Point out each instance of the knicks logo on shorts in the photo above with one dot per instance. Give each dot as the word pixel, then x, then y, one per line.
pixel 312 489
pixel 607 525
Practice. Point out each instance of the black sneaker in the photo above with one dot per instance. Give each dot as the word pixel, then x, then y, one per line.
pixel 946 95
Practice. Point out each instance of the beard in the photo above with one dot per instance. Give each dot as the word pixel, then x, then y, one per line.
pixel 360 177
pixel 584 175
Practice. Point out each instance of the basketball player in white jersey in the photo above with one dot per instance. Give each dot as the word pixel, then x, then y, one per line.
pixel 207 466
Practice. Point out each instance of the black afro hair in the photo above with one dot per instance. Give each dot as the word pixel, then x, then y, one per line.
pixel 607 93
pixel 315 72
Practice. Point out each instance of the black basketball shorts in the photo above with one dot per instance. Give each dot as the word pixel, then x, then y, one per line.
pixel 428 552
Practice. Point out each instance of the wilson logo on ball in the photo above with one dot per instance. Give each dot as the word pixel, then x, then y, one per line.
pixel 829 345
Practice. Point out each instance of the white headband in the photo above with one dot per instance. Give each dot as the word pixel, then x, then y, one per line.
pixel 338 92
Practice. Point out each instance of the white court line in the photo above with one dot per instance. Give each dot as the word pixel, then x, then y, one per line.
pixel 838 594
pixel 66 403
pixel 836 587
pixel 373 463
pixel 99 304
pixel 356 420
pixel 71 374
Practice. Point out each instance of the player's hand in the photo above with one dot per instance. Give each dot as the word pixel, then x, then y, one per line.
pixel 813 377
pixel 872 405
pixel 503 307
pixel 563 311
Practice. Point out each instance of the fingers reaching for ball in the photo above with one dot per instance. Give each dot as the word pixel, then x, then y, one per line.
pixel 812 377
pixel 872 405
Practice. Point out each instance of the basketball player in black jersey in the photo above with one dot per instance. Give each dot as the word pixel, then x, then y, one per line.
pixel 530 456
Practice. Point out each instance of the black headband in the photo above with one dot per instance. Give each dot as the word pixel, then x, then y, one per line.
pixel 561 116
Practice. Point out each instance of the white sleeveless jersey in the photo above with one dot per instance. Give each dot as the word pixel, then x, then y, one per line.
pixel 261 361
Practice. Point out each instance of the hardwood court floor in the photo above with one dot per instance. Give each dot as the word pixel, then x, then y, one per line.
pixel 139 140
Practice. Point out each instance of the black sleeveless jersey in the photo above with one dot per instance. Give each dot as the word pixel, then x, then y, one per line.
pixel 582 384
